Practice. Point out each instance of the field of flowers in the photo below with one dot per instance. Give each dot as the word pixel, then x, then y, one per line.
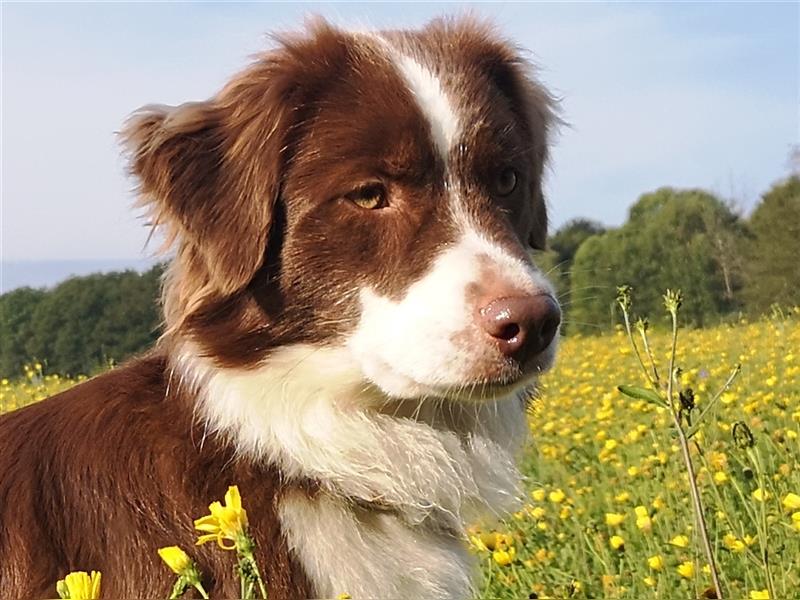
pixel 608 512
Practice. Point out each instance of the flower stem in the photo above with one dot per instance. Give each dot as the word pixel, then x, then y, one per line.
pixel 687 459
pixel 199 587
pixel 762 522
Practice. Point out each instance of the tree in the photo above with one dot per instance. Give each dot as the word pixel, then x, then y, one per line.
pixel 672 239
pixel 557 262
pixel 772 271
pixel 566 241
pixel 82 323
pixel 16 327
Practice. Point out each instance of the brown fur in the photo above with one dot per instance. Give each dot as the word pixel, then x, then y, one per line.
pixel 101 476
pixel 250 188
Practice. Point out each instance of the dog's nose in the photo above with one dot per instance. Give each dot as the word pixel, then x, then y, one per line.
pixel 522 326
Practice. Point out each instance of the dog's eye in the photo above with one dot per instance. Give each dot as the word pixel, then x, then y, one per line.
pixel 369 196
pixel 505 182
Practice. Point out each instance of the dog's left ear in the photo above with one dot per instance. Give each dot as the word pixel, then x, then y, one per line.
pixel 210 173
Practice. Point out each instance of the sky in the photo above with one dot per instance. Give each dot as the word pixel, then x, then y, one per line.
pixel 681 94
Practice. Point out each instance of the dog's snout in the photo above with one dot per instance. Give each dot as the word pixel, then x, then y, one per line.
pixel 522 326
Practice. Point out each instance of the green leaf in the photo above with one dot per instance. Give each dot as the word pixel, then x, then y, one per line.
pixel 639 393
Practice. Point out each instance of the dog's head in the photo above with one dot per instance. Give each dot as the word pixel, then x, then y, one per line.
pixel 377 193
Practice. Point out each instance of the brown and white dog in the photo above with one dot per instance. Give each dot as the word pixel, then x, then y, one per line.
pixel 353 324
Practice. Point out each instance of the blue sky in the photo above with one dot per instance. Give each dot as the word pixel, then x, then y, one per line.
pixel 689 95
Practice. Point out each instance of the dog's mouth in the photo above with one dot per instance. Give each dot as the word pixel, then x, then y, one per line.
pixel 487 384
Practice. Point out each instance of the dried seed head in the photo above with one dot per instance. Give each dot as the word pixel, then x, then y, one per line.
pixel 624 297
pixel 687 398
pixel 742 436
pixel 673 301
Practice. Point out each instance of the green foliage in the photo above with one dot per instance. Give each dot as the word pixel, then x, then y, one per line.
pixel 566 241
pixel 16 327
pixel 82 323
pixel 678 239
pixel 772 274
pixel 557 262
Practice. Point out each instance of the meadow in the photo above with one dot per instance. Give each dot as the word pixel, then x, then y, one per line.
pixel 608 511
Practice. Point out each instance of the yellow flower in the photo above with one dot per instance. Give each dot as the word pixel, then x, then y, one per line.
pixel 226 522
pixel 681 541
pixel 761 495
pixel 608 582
pixel 622 497
pixel 643 518
pixel 686 569
pixel 759 595
pixel 343 596
pixel 176 559
pixel 720 477
pixel 614 519
pixel 617 543
pixel 538 495
pixel 489 540
pixel 733 543
pixel 649 581
pixel 658 503
pixel 503 539
pixel 718 460
pixel 79 585
pixel 542 555
pixel 557 496
pixel 504 557
pixel 796 520
pixel 655 562
pixel 791 501
pixel 477 543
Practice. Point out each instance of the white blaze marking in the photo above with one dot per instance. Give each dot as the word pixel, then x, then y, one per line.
pixel 431 99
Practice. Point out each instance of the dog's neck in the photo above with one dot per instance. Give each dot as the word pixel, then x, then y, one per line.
pixel 433 465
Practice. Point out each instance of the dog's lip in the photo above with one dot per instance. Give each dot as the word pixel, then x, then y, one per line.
pixel 477 390
pixel 509 378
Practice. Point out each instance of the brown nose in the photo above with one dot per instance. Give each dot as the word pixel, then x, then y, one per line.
pixel 523 325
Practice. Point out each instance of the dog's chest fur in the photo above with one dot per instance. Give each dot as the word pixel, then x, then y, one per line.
pixel 394 488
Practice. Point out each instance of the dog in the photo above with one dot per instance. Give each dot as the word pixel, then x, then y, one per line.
pixel 353 326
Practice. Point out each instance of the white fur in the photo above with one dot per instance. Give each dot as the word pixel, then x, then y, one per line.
pixel 431 466
pixel 372 554
pixel 427 343
pixel 431 99
pixel 311 412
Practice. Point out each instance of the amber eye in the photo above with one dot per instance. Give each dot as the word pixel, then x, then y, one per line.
pixel 505 182
pixel 370 196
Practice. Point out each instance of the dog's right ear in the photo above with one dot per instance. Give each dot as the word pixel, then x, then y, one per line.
pixel 210 176
pixel 211 172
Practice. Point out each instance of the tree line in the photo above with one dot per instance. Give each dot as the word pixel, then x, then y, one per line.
pixel 726 265
pixel 689 239
pixel 81 324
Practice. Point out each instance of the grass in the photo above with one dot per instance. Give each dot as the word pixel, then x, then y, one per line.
pixel 608 511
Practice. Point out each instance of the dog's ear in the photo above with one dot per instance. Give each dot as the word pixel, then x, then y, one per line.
pixel 210 174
